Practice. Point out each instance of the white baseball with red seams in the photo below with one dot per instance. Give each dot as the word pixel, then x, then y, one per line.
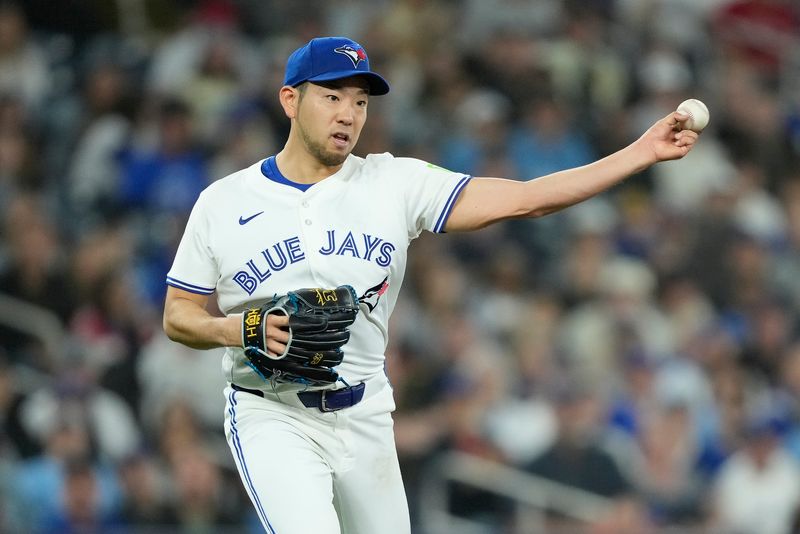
pixel 698 114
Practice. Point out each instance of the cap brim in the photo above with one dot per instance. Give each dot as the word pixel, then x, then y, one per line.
pixel 377 85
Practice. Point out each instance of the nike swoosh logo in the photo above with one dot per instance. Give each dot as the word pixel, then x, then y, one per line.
pixel 243 221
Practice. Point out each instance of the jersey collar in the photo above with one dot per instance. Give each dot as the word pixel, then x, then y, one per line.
pixel 269 168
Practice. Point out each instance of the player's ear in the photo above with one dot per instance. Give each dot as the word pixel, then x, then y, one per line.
pixel 290 100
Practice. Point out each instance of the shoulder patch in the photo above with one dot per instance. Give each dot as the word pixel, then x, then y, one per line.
pixel 432 166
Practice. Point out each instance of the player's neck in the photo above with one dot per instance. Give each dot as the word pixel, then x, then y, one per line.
pixel 301 167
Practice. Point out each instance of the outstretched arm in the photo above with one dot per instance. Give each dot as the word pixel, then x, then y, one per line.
pixel 487 200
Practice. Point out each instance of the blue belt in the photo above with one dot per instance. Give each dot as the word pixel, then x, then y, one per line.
pixel 326 400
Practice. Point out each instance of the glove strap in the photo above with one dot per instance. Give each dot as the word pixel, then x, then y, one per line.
pixel 253 330
pixel 254 320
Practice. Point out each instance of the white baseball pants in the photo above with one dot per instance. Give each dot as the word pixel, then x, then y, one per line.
pixel 324 473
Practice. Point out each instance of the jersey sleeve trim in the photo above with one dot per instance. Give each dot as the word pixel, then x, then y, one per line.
pixel 191 288
pixel 448 206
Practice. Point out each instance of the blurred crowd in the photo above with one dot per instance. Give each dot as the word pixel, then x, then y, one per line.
pixel 642 346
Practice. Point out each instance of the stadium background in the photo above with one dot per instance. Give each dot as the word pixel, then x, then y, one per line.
pixel 642 346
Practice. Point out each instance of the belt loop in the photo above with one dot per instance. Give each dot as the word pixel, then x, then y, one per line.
pixel 323 402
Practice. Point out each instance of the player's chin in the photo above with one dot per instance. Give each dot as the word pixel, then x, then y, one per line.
pixel 341 150
pixel 334 158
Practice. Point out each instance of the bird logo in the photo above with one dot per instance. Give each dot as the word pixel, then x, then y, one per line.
pixel 372 295
pixel 356 55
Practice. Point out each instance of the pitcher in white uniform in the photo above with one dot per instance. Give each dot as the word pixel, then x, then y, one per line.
pixel 313 215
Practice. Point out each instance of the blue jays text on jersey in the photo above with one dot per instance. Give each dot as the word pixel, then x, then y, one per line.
pixel 278 256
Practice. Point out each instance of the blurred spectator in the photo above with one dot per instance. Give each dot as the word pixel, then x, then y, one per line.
pixel 20 170
pixel 168 177
pixel 483 134
pixel 510 61
pixel 40 483
pixel 169 373
pixel 178 430
pixel 248 135
pixel 34 274
pixel 587 72
pixel 583 253
pixel 80 508
pixel 87 131
pixel 760 32
pixel 622 319
pixel 758 488
pixel 666 476
pixel 411 30
pixel 634 399
pixel 106 419
pixel 720 430
pixel 110 329
pixel 548 140
pixel 753 123
pixel 184 53
pixel 770 331
pixel 204 501
pixel 578 457
pixel 214 89
pixel 144 494
pixel 23 65
pixel 689 310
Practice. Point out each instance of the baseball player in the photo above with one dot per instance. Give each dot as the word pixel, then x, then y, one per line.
pixel 316 453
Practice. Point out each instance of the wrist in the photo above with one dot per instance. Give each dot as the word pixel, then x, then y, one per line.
pixel 232 330
pixel 640 155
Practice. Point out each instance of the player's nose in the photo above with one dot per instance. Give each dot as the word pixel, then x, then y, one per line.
pixel 347 112
pixel 346 115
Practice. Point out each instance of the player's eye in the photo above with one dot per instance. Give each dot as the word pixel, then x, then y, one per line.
pixel 332 98
pixel 361 103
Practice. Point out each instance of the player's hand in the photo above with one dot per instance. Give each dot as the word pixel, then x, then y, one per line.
pixel 277 333
pixel 665 140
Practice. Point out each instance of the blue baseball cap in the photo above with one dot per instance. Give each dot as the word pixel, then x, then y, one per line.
pixel 331 58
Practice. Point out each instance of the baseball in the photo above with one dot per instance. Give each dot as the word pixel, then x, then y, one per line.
pixel 698 114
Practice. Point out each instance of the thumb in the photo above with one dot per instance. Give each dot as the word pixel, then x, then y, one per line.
pixel 676 119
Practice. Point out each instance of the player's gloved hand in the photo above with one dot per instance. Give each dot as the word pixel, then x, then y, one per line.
pixel 318 328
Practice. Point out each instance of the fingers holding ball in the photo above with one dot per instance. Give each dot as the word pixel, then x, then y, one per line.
pixel 697 115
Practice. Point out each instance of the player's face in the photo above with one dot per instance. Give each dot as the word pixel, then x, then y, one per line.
pixel 330 118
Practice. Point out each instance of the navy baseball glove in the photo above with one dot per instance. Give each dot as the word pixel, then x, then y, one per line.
pixel 318 328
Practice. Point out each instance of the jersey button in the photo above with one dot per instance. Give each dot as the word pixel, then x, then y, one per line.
pixel 308 222
pixel 305 203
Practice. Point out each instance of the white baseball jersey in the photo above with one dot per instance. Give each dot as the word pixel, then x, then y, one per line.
pixel 254 234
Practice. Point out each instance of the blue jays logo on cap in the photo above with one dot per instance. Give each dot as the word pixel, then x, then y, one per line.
pixel 355 55
pixel 332 58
